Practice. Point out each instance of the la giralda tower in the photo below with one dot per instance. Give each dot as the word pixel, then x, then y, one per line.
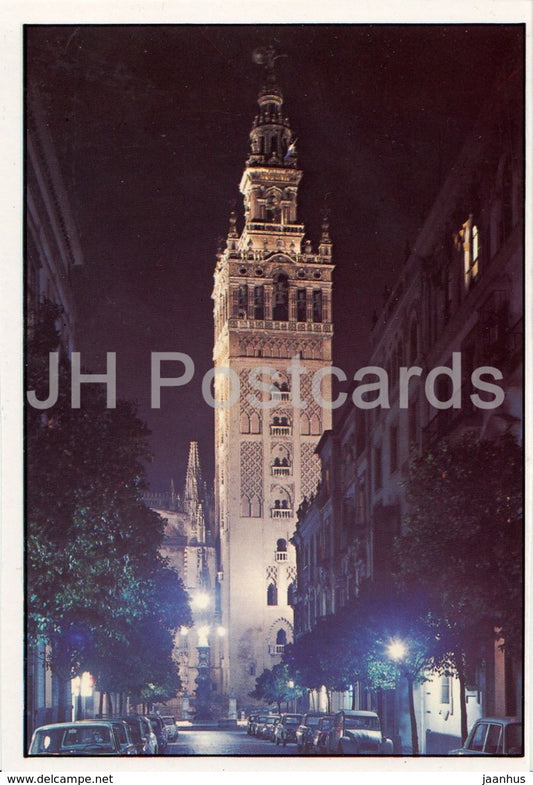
pixel 272 313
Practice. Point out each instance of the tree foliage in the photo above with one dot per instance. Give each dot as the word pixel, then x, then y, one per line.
pixel 276 686
pixel 462 548
pixel 97 588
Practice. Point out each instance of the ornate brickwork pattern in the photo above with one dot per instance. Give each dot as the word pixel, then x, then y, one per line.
pixel 291 573
pixel 247 390
pixel 251 346
pixel 272 575
pixel 252 469
pixel 310 469
pixel 306 394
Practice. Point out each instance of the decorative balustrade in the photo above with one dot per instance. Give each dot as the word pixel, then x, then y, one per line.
pixel 279 395
pixel 280 430
pixel 281 512
pixel 281 471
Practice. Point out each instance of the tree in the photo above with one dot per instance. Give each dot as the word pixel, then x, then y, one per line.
pixel 94 576
pixel 465 504
pixel 276 686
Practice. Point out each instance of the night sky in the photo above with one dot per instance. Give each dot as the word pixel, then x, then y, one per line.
pixel 151 127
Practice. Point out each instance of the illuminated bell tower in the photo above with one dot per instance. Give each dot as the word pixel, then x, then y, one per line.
pixel 272 303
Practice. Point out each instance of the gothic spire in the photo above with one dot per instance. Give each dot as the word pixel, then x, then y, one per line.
pixel 193 481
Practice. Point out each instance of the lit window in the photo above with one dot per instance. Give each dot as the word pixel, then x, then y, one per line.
pixel 471 248
pixel 445 690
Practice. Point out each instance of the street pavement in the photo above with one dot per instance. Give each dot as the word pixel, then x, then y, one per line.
pixel 225 742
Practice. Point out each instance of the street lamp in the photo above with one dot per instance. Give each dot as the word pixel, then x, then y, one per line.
pixel 201 601
pixel 397 651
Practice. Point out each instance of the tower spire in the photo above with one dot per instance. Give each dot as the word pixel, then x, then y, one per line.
pixel 193 481
pixel 271 139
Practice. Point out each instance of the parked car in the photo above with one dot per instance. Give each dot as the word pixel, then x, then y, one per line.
pixel 357 733
pixel 493 736
pixel 258 723
pixel 266 728
pixel 123 734
pixel 320 737
pixel 285 729
pixel 160 730
pixel 96 737
pixel 306 730
pixel 172 728
pixel 252 720
pixel 142 734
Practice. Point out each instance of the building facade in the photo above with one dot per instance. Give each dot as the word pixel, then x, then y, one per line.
pixel 52 254
pixel 189 546
pixel 457 304
pixel 273 331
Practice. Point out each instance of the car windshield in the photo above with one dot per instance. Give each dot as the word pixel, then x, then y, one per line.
pixel 120 732
pixel 325 724
pixel 311 721
pixel 362 723
pixel 74 739
pixel 292 720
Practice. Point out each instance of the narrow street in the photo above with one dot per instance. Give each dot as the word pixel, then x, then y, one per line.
pixel 225 742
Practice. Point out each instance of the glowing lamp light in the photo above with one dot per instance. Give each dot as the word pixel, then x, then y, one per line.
pixel 397 650
pixel 87 684
pixel 203 632
pixel 221 631
pixel 201 601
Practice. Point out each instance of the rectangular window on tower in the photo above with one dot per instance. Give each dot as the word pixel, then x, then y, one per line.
pixel 243 302
pixel 317 305
pixel 301 305
pixel 259 302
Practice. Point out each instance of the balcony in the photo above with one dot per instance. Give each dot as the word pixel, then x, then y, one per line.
pixel 281 430
pixel 281 471
pixel 276 648
pixel 279 395
pixel 281 555
pixel 280 512
pixel 277 228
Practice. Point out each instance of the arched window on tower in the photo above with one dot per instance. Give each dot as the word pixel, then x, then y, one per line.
pixel 245 423
pixel 280 305
pixel 245 507
pixel 255 507
pixel 281 637
pixel 272 594
pixel 291 593
pixel 314 425
pixel 255 423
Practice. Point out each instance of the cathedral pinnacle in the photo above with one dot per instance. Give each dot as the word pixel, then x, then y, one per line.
pixel 193 480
